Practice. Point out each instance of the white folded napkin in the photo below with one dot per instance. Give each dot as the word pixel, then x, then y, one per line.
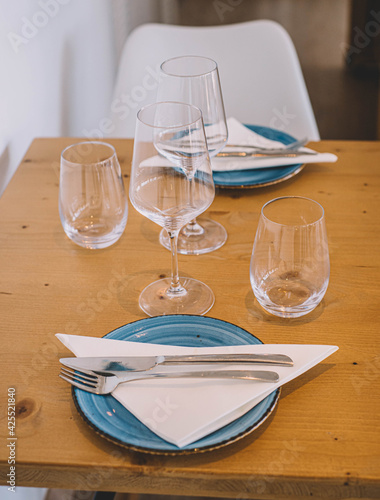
pixel 239 134
pixel 182 411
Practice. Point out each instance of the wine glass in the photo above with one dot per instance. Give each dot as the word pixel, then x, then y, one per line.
pixel 290 265
pixel 92 204
pixel 195 80
pixel 171 188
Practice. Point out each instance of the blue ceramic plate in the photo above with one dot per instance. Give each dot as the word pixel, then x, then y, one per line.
pixel 114 422
pixel 259 177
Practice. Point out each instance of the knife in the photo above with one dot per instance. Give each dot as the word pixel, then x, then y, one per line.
pixel 143 363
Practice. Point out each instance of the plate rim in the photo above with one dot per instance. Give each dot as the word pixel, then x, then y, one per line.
pixel 286 177
pixel 180 451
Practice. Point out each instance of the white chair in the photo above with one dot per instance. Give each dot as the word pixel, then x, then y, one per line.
pixel 260 74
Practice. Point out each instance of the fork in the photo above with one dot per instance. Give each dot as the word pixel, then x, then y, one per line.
pixel 293 146
pixel 288 147
pixel 288 150
pixel 98 383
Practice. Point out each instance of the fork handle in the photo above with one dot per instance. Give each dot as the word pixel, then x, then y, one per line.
pixel 262 376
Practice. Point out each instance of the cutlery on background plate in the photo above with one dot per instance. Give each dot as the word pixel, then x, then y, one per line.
pixel 104 384
pixel 293 146
pixel 273 153
pixel 143 363
pixel 288 147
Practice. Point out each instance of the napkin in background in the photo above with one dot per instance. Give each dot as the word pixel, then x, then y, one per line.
pixel 239 134
pixel 182 411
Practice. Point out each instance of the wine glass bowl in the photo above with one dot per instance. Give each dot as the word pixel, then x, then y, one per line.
pixel 195 80
pixel 171 183
pixel 290 259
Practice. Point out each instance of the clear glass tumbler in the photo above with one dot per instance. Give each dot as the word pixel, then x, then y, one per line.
pixel 92 203
pixel 290 265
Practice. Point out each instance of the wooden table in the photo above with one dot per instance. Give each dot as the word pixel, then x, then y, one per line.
pixel 324 438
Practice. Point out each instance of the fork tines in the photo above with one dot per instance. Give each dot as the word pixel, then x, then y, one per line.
pixel 81 380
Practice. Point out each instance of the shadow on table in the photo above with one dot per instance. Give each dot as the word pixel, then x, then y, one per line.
pixel 261 315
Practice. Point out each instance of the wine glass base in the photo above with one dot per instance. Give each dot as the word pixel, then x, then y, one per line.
pixel 213 237
pixel 196 298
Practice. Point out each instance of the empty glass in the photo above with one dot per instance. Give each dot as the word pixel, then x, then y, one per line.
pixel 195 80
pixel 290 260
pixel 171 183
pixel 92 203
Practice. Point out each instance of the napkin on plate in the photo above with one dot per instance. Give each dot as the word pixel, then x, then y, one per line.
pixel 239 134
pixel 182 411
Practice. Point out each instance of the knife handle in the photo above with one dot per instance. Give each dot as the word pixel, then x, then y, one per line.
pixel 273 359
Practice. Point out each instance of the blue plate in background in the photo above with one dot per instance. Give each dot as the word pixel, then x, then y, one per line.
pixel 114 422
pixel 259 177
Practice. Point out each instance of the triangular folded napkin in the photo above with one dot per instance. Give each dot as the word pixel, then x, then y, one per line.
pixel 194 408
pixel 239 134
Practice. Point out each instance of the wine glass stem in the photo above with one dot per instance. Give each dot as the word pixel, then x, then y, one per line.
pixel 192 228
pixel 176 289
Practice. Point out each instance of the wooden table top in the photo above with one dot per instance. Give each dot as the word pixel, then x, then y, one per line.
pixel 323 440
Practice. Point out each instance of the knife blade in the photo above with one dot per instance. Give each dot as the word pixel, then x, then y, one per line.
pixel 143 363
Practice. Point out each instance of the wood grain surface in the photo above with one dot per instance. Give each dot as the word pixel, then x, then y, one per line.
pixel 323 440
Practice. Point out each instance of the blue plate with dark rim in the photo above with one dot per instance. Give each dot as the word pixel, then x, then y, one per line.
pixel 259 177
pixel 112 421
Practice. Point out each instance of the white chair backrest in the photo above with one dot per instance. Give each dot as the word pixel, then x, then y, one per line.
pixel 261 78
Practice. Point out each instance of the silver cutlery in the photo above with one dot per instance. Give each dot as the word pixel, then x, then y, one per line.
pixel 97 383
pixel 270 153
pixel 286 147
pixel 293 146
pixel 143 363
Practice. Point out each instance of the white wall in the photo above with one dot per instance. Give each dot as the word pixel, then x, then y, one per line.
pixel 58 61
pixel 58 65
